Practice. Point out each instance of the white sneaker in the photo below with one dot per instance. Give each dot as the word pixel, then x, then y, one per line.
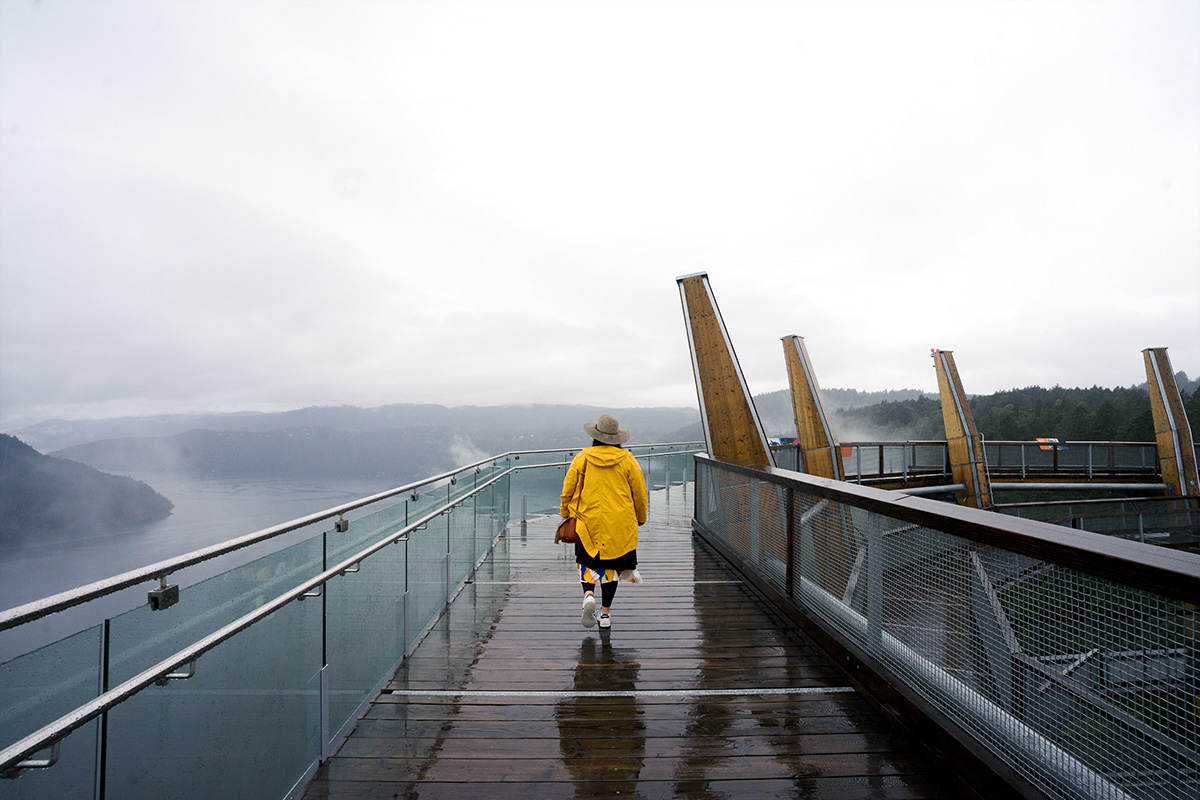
pixel 605 622
pixel 588 618
pixel 631 575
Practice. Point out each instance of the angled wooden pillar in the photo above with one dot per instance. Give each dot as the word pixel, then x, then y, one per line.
pixel 818 444
pixel 967 463
pixel 1172 432
pixel 732 429
pixel 832 544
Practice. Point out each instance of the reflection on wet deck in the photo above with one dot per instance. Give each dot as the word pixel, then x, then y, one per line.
pixel 697 690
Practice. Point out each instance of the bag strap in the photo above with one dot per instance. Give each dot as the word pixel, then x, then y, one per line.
pixel 582 478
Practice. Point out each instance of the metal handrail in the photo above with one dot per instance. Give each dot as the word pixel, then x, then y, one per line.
pixel 1173 574
pixel 13 759
pixel 28 612
pixel 55 731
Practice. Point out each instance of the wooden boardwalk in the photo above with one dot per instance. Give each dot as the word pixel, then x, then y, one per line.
pixel 698 690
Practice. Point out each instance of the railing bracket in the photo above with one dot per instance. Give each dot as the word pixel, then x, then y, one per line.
pixel 342 525
pixel 314 592
pixel 14 772
pixel 164 596
pixel 178 676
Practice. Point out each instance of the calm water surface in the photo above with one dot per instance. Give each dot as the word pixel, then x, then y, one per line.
pixel 206 512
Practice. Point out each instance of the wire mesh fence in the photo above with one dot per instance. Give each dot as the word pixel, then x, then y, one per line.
pixel 1085 685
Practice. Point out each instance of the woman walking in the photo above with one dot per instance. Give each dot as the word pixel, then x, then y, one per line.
pixel 607 492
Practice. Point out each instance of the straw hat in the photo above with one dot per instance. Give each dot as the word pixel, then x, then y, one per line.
pixel 606 430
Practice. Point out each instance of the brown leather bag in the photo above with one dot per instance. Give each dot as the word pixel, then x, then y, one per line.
pixel 566 529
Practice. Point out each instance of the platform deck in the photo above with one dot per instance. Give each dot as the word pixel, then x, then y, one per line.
pixel 698 690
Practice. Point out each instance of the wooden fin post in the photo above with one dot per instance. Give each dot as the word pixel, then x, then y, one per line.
pixel 1172 432
pixel 732 429
pixel 967 464
pixel 819 449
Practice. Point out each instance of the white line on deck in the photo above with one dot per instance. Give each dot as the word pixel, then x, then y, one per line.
pixel 629 693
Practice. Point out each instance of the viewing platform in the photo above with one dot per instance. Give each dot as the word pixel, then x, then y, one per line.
pixel 795 636
pixel 813 628
pixel 699 689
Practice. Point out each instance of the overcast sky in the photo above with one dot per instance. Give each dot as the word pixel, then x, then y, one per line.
pixel 262 205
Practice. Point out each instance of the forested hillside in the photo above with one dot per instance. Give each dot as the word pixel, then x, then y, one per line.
pixel 1094 414
pixel 40 495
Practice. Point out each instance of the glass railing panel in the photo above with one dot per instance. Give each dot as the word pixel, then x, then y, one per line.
pixel 463 535
pixel 36 689
pixel 538 490
pixel 365 531
pixel 490 515
pixel 666 465
pixel 481 517
pixel 683 464
pixel 492 508
pixel 427 552
pixel 429 499
pixel 364 630
pixel 247 724
pixel 140 638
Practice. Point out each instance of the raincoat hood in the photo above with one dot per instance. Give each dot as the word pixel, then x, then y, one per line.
pixel 605 456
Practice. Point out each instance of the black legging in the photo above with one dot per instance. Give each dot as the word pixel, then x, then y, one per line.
pixel 607 592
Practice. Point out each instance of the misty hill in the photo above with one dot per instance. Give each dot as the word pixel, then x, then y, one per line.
pixel 396 455
pixel 40 495
pixel 488 426
pixel 395 443
pixel 778 419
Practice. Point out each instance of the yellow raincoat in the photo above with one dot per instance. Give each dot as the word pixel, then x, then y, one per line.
pixel 613 503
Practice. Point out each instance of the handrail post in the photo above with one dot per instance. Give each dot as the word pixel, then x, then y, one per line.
pixel 874 587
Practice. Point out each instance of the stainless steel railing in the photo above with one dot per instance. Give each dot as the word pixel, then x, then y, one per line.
pixel 308 633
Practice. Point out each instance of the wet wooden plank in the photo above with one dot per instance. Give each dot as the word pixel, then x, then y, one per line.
pixel 892 787
pixel 632 765
pixel 716 696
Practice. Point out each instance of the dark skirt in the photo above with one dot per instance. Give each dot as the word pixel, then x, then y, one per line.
pixel 620 563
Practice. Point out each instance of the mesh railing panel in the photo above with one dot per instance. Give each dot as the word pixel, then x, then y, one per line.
pixel 1086 687
pixel 1165 521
